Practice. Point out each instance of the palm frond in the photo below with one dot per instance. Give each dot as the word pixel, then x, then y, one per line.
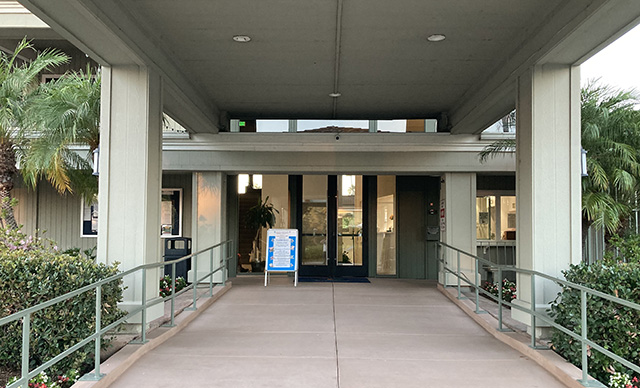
pixel 64 112
pixel 499 147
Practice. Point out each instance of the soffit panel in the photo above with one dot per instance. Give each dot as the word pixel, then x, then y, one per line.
pixel 292 48
pixel 387 68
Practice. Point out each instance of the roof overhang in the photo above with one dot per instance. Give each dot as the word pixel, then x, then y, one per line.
pixel 373 52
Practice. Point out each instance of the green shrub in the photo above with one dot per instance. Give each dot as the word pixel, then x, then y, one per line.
pixel 614 327
pixel 625 248
pixel 32 271
pixel 88 253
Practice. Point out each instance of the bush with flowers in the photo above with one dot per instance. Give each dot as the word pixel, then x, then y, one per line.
pixel 44 381
pixel 165 285
pixel 508 289
pixel 32 271
pixel 623 380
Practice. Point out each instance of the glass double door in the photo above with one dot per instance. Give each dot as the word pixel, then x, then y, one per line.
pixel 332 226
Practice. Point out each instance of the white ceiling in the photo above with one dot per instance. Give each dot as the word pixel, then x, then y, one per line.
pixel 387 68
pixel 373 52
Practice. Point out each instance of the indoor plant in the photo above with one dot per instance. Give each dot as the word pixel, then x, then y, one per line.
pixel 263 215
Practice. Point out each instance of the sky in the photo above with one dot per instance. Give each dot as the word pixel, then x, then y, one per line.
pixel 617 64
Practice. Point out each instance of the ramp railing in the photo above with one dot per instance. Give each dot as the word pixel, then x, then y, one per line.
pixel 448 254
pixel 223 250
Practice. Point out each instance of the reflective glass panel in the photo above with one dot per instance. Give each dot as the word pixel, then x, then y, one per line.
pixel 386 225
pixel 313 242
pixel 349 220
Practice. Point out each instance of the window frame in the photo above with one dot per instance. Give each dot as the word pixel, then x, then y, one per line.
pixel 82 233
pixel 498 194
pixel 180 212
pixel 164 191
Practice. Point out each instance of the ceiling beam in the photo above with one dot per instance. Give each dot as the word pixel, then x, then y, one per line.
pixel 336 69
pixel 572 33
pixel 112 36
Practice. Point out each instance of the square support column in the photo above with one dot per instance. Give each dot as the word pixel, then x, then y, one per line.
pixel 548 179
pixel 130 177
pixel 209 208
pixel 458 190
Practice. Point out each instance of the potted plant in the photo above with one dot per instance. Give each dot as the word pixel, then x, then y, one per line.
pixel 263 215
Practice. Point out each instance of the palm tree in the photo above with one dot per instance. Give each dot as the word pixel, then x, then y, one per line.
pixel 18 84
pixel 498 147
pixel 610 128
pixel 611 136
pixel 66 112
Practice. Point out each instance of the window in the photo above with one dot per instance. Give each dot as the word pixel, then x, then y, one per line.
pixel 496 217
pixel 89 225
pixel 386 225
pixel 355 126
pixel 254 189
pixel 272 126
pixel 409 126
pixel 334 126
pixel 170 215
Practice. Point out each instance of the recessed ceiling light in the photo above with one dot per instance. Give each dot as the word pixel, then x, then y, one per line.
pixel 436 38
pixel 242 38
pixel 335 95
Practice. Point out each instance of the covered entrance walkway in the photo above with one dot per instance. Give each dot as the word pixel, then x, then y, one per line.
pixel 389 333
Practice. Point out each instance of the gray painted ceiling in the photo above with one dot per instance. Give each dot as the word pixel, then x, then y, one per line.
pixel 386 68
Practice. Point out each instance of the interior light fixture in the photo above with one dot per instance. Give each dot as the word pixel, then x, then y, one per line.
pixel 436 38
pixel 335 95
pixel 257 182
pixel 243 182
pixel 242 38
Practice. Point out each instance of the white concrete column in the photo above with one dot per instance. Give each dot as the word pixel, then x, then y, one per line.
pixel 130 176
pixel 547 178
pixel 209 220
pixel 458 190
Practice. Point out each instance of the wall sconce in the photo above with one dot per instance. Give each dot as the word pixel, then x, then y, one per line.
pixel 96 161
pixel 583 162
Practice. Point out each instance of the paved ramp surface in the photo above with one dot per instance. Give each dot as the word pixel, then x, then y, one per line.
pixel 390 333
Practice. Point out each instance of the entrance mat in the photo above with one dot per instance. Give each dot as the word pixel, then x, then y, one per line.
pixel 320 279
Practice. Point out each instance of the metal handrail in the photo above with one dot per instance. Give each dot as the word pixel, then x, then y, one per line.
pixel 584 291
pixel 25 314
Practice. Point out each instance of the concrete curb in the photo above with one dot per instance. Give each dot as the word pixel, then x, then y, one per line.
pixel 558 367
pixel 114 372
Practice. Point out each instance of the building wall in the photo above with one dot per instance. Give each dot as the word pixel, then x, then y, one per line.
pixel 56 216
pixel 59 216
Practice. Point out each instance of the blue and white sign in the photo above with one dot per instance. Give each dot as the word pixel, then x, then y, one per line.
pixel 282 252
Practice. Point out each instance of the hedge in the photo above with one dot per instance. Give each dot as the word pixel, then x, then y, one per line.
pixel 33 271
pixel 610 325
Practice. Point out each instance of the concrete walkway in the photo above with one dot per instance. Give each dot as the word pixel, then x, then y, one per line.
pixel 390 333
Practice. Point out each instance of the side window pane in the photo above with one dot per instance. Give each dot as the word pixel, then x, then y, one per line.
pixel 171 213
pixel 89 218
pixel 386 225
pixel 508 217
pixel 485 218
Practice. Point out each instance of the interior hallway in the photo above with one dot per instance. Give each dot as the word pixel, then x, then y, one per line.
pixel 390 333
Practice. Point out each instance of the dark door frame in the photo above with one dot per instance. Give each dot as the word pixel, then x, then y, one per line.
pixel 331 269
